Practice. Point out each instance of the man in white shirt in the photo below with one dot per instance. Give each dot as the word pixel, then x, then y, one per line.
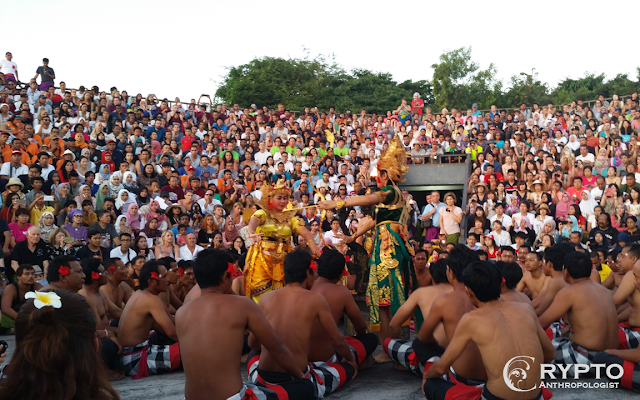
pixel 9 68
pixel 261 156
pixel 586 157
pixel 288 165
pixel 43 160
pixel 123 252
pixel 190 250
pixel 500 216
pixel 500 236
pixel 13 168
pixel 208 203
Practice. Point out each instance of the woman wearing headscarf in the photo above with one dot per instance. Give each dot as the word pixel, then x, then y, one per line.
pixel 121 224
pixel 103 193
pixel 151 230
pixel 132 214
pixel 562 208
pixel 587 204
pixel 600 242
pixel 143 197
pixel 124 197
pixel 51 185
pixel 549 228
pixel 75 228
pixel 129 181
pixel 574 143
pixel 84 193
pixel 106 159
pixel 524 225
pixel 571 226
pixel 104 173
pixel 115 185
pixel 156 212
pixel 47 225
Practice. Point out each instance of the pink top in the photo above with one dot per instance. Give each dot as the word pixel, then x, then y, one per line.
pixel 449 224
pixel 17 233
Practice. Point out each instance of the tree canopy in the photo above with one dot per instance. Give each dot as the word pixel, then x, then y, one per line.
pixel 457 82
pixel 299 83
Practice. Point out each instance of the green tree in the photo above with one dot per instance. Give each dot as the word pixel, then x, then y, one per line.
pixel 524 88
pixel 459 82
pixel 299 83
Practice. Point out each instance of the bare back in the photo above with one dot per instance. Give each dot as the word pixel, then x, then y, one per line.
pixel 502 331
pixel 291 311
pixel 211 330
pixel 513 296
pixel 591 302
pixel 340 302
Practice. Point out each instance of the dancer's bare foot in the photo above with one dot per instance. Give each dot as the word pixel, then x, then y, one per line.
pixel 115 375
pixel 367 363
pixel 382 358
pixel 399 367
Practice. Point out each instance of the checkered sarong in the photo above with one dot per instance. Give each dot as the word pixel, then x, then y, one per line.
pixel 568 352
pixel 361 347
pixel 629 336
pixel 150 359
pixel 250 391
pixel 631 371
pixel 555 329
pixel 402 352
pixel 327 377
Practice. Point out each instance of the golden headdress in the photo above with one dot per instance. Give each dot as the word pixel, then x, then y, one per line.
pixel 270 190
pixel 394 160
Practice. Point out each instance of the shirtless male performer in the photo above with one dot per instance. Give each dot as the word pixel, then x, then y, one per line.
pixel 628 358
pixel 447 309
pixel 64 273
pixel 143 355
pixel 13 296
pixel 407 354
pixel 104 310
pixel 629 332
pixel 533 279
pixel 330 271
pixel 511 274
pixel 501 330
pixel 583 302
pixel 216 320
pixel 292 312
pixel 116 289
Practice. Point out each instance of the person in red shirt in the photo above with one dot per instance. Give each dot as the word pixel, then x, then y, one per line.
pixel 489 172
pixel 188 139
pixel 51 95
pixel 576 190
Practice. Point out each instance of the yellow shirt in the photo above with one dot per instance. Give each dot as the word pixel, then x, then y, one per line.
pixel 604 272
pixel 37 213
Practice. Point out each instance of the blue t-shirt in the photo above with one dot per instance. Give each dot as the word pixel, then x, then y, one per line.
pixel 435 218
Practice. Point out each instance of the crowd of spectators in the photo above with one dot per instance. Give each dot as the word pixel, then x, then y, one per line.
pixel 113 175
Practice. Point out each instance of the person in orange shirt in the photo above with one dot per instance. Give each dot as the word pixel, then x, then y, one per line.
pixel 5 148
pixel 80 142
pixel 66 156
pixel 16 144
pixel 29 147
pixel 225 183
pixel 55 143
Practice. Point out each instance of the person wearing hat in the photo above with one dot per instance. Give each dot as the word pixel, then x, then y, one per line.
pixel 13 168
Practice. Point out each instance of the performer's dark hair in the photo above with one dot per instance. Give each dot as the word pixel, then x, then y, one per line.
pixel 146 270
pixel 167 261
pixel 52 271
pixel 438 271
pixel 110 262
pixel 511 272
pixel 459 257
pixel 296 266
pixel 89 265
pixel 507 248
pixel 483 278
pixel 330 264
pixel 184 264
pixel 578 264
pixel 555 254
pixel 210 266
pixel 48 338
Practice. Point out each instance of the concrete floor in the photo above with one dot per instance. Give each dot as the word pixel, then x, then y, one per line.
pixel 381 382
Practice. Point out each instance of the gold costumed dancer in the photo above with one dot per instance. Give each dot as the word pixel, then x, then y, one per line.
pixel 270 229
pixel 391 276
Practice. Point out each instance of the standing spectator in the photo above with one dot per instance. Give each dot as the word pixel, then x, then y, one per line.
pixel 450 218
pixel 47 74
pixel 9 68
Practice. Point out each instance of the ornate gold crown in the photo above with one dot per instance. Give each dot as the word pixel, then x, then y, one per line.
pixel 271 190
pixel 394 160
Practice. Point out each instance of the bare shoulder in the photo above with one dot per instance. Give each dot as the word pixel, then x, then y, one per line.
pixel 37 286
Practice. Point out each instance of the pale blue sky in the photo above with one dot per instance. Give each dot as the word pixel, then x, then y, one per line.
pixel 173 48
